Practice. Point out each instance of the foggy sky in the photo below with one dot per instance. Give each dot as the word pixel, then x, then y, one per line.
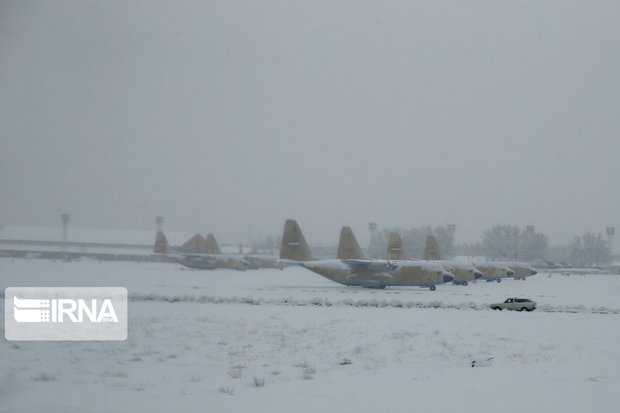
pixel 231 116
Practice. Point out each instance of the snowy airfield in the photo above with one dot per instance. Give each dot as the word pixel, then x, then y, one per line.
pixel 290 340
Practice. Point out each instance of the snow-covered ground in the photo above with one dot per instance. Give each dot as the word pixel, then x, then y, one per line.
pixel 291 340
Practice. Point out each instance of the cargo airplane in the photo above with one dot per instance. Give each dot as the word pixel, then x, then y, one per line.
pixel 205 254
pixel 494 271
pixel 352 269
pixel 520 270
pixel 462 272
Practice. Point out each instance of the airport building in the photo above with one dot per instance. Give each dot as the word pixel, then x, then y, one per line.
pixel 73 243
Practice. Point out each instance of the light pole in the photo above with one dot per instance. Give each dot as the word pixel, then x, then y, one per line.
pixel 611 231
pixel 372 227
pixel 452 230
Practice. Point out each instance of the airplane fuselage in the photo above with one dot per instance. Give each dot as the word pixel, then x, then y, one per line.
pixel 463 272
pixel 210 262
pixel 521 269
pixel 494 271
pixel 380 273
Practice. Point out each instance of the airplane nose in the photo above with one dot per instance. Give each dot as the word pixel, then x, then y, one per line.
pixel 478 274
pixel 534 272
pixel 447 277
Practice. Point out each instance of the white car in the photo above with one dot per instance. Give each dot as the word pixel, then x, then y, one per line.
pixel 518 304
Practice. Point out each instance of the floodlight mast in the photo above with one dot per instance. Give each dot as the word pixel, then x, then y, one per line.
pixel 611 231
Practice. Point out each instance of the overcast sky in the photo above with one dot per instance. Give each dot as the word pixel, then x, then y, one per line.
pixel 223 116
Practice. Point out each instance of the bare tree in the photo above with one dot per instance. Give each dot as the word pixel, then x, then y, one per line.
pixel 533 246
pixel 509 242
pixel 589 250
pixel 501 242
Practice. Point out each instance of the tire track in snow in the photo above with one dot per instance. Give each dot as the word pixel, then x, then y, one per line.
pixel 361 303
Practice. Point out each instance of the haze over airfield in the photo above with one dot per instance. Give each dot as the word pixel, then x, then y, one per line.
pixel 226 116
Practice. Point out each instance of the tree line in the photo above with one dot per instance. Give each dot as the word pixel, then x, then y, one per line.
pixel 500 243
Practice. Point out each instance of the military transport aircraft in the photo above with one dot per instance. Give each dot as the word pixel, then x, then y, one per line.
pixel 494 271
pixel 521 270
pixel 205 254
pixel 462 271
pixel 352 269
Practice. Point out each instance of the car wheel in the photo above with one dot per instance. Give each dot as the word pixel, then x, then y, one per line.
pixel 523 309
pixel 432 287
pixel 498 308
pixel 499 280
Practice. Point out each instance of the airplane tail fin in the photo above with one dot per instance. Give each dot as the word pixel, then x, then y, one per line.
pixel 432 250
pixel 395 249
pixel 194 245
pixel 348 248
pixel 161 244
pixel 212 246
pixel 294 246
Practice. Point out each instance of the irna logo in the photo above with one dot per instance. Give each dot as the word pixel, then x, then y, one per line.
pixel 40 310
pixel 65 313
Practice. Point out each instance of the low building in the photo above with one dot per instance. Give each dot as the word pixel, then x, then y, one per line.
pixel 104 244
